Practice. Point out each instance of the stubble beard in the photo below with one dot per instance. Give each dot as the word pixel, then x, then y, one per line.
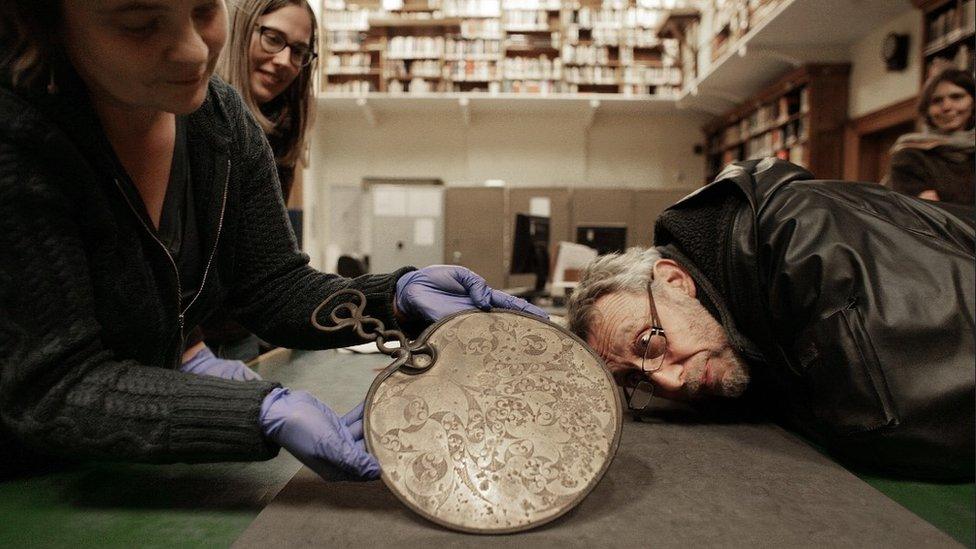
pixel 724 360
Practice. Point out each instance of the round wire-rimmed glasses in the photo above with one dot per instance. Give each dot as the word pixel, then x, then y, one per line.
pixel 637 387
pixel 273 41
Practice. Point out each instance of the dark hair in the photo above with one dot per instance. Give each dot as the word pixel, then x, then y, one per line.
pixel 30 53
pixel 960 78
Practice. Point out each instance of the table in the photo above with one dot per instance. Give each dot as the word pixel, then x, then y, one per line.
pixel 125 505
pixel 681 483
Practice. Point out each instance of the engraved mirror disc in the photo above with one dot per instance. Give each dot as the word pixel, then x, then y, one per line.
pixel 512 426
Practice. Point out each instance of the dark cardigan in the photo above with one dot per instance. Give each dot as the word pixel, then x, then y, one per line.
pixel 91 326
pixel 917 170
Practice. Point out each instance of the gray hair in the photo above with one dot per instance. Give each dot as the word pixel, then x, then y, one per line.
pixel 626 272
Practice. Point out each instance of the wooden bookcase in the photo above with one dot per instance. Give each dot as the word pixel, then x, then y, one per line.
pixel 948 34
pixel 508 46
pixel 799 118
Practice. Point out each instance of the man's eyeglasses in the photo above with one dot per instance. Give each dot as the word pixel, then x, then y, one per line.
pixel 637 388
pixel 273 41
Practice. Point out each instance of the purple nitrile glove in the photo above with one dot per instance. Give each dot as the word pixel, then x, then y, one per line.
pixel 204 363
pixel 434 292
pixel 331 446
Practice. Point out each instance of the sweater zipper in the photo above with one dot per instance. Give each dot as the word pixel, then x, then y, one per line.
pixel 172 262
pixel 213 251
pixel 181 318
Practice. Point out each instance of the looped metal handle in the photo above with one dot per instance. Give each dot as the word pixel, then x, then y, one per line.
pixel 410 357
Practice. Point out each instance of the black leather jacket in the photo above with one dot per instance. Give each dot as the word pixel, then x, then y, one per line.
pixel 854 304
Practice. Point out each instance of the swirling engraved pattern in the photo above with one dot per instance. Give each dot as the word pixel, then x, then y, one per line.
pixel 510 428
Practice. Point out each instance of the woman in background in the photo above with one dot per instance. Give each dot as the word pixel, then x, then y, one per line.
pixel 938 163
pixel 269 59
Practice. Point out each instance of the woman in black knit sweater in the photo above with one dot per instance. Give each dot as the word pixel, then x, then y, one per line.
pixel 138 195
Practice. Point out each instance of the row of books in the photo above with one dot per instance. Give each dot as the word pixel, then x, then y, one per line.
pixel 471 8
pixel 667 56
pixel 636 76
pixel 473 71
pixel 482 28
pixel 348 63
pixel 526 19
pixel 795 154
pixel 629 17
pixel 660 91
pixel 533 68
pixel 731 19
pixel 416 85
pixel 768 143
pixel 644 38
pixel 494 86
pixel 585 55
pixel 426 68
pixel 777 112
pixel 523 41
pixel 532 4
pixel 346 19
pixel 344 40
pixel 652 76
pixel 535 87
pixel 473 48
pixel 406 47
pixel 649 4
pixel 950 23
pixel 352 86
pixel 593 75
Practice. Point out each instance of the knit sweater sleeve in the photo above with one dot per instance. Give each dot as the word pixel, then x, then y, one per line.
pixel 274 290
pixel 62 392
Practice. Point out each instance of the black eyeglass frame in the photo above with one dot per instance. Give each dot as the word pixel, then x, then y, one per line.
pixel 637 382
pixel 304 54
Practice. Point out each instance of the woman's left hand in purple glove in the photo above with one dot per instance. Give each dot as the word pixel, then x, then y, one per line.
pixel 434 292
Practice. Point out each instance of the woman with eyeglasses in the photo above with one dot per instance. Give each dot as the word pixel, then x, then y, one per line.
pixel 137 197
pixel 269 59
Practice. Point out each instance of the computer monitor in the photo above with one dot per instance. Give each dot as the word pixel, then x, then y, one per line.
pixel 605 239
pixel 530 248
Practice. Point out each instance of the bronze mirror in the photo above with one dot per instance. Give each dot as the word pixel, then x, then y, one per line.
pixel 489 422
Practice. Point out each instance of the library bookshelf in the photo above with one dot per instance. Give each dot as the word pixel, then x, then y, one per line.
pixel 732 19
pixel 948 35
pixel 534 47
pixel 799 118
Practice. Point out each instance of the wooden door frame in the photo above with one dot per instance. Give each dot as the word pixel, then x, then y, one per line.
pixel 873 122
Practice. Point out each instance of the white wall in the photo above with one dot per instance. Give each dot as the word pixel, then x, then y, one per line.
pixel 872 86
pixel 523 149
pixel 641 151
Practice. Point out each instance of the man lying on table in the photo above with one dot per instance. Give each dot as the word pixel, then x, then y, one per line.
pixel 846 309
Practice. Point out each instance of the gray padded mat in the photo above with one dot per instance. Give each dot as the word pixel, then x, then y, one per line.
pixel 683 483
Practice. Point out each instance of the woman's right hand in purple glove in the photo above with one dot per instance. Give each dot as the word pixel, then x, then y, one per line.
pixel 331 446
pixel 434 292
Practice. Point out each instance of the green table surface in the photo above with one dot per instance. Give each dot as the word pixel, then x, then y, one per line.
pixel 210 505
